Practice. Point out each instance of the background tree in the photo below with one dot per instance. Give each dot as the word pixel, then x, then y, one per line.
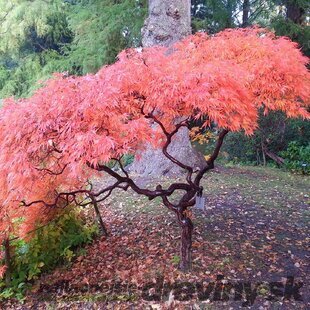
pixel 101 30
pixel 213 16
pixel 53 142
pixel 167 23
pixel 293 21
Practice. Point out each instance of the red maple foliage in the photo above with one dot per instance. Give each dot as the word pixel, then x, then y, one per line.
pixel 53 142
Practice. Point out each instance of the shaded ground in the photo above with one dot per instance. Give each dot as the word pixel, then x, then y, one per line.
pixel 255 229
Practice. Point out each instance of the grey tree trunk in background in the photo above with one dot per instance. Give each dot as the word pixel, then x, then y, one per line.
pixel 167 23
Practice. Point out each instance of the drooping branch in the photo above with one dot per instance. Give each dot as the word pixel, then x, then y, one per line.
pixel 59 196
pixel 98 215
pixel 124 181
pixel 70 197
pixel 279 160
pixel 124 187
pixel 51 172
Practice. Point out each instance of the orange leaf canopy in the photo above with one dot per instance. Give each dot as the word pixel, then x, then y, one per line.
pixel 72 121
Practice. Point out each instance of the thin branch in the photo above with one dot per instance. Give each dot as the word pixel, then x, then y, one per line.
pixel 121 166
pixel 5 15
pixel 151 194
pixel 52 172
pixel 169 136
pixel 98 215
pixel 63 195
pixel 210 161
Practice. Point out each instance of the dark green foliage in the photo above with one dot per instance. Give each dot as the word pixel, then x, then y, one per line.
pixel 127 159
pixel 239 148
pixel 102 28
pixel 298 33
pixel 213 16
pixel 274 134
pixel 297 158
pixel 294 22
pixel 54 244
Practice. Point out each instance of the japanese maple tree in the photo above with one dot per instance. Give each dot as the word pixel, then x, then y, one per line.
pixel 73 127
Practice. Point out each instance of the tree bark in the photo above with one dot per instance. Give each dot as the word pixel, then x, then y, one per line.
pixel 263 153
pixel 168 22
pixel 99 218
pixel 279 160
pixel 294 12
pixel 257 157
pixel 7 261
pixel 186 244
pixel 245 13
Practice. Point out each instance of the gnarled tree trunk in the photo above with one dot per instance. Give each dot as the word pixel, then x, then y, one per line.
pixel 186 244
pixel 168 22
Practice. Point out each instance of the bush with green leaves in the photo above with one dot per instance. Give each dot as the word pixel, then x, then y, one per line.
pixel 54 244
pixel 297 158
